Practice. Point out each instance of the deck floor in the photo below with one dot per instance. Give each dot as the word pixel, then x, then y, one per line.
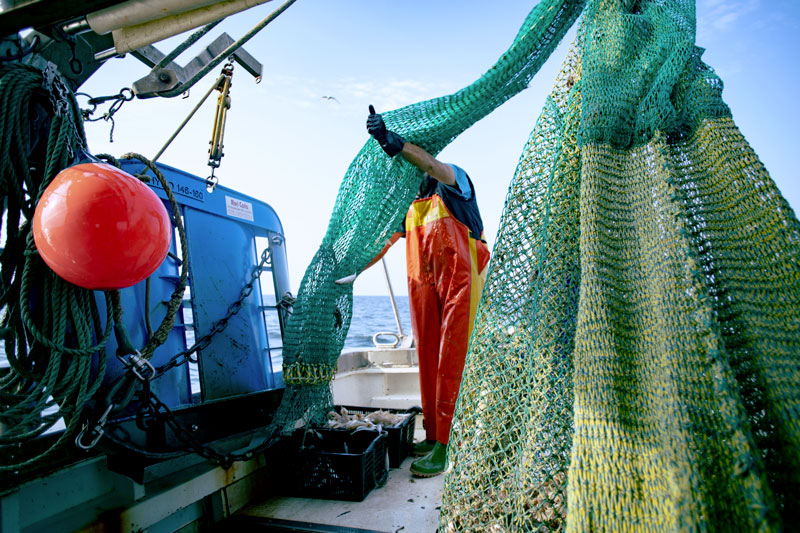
pixel 405 504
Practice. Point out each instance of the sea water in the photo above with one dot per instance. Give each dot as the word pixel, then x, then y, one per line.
pixel 373 314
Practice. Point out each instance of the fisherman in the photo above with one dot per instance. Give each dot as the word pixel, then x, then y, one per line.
pixel 446 259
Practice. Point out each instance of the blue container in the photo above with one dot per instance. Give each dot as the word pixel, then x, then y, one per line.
pixel 226 232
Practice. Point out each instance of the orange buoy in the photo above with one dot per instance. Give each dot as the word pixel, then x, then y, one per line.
pixel 100 228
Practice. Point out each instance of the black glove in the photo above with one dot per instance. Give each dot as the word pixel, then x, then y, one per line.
pixel 391 142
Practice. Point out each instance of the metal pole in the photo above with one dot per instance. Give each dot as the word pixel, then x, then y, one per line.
pixel 188 118
pixel 391 295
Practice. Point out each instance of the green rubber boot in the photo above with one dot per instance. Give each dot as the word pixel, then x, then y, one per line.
pixel 432 464
pixel 423 448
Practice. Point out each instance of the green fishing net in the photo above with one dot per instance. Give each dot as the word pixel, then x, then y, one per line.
pixel 372 201
pixel 635 361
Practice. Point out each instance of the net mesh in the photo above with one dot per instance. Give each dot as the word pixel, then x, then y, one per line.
pixel 372 201
pixel 635 358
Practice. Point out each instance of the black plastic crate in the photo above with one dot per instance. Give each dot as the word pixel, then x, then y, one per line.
pixel 400 437
pixel 332 464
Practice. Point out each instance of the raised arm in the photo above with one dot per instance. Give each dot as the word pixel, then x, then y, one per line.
pixel 394 144
pixel 427 163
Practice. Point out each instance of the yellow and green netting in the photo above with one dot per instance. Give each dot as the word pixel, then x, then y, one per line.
pixel 635 360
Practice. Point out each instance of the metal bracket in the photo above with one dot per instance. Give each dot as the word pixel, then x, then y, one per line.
pixel 173 75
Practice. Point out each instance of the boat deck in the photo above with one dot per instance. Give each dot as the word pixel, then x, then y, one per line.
pixel 404 504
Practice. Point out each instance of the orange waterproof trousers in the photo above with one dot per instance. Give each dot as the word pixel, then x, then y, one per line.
pixel 446 273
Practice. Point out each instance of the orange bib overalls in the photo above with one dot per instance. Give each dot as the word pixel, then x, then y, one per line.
pixel 446 272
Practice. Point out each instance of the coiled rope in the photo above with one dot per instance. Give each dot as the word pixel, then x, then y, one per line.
pixel 51 329
pixel 53 334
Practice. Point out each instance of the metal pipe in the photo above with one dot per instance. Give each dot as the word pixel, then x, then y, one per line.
pixel 394 303
pixel 227 52
pixel 135 12
pixel 106 54
pixel 76 26
pixel 134 37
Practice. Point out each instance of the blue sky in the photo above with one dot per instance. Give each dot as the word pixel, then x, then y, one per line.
pixel 286 145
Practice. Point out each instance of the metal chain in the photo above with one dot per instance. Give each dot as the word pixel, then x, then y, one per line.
pixel 160 411
pixel 125 95
pixel 220 325
pixel 139 369
pixel 57 90
pixel 153 406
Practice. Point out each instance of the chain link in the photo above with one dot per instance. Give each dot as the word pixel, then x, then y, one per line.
pixel 57 90
pixel 160 411
pixel 220 325
pixel 151 405
pixel 125 95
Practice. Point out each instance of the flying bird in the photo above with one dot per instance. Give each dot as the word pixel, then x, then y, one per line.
pixel 332 98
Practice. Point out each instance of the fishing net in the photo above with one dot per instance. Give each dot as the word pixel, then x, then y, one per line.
pixel 635 362
pixel 635 358
pixel 372 201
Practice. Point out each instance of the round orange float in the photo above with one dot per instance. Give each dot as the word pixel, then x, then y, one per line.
pixel 100 228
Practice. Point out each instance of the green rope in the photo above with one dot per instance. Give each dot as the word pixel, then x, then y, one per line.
pixel 159 336
pixel 51 329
